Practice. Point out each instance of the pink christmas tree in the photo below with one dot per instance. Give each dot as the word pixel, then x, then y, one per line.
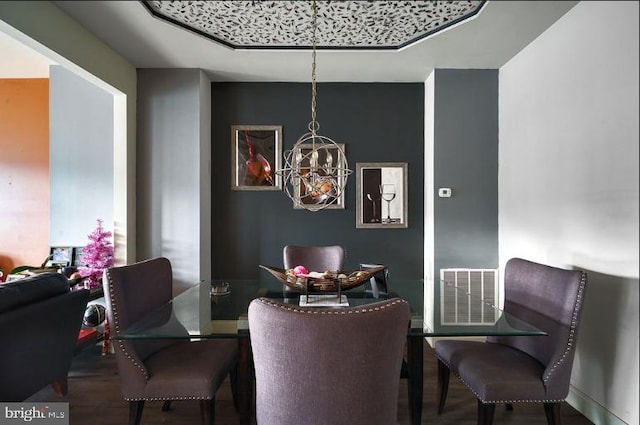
pixel 97 256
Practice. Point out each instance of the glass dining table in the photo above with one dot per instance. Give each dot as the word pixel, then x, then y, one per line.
pixel 217 309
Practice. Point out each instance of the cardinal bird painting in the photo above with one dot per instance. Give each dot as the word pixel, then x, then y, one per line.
pixel 256 156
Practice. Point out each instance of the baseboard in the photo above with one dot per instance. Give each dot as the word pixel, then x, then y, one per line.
pixel 591 409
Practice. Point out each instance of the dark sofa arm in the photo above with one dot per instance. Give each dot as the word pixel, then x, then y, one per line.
pixel 37 343
pixel 31 289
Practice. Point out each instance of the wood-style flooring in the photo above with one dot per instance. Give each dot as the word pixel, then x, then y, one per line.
pixel 94 399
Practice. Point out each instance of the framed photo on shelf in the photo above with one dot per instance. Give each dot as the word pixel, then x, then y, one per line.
pixel 381 195
pixel 256 154
pixel 323 189
pixel 77 257
pixel 60 256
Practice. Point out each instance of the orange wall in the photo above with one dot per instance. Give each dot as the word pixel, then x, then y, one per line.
pixel 24 172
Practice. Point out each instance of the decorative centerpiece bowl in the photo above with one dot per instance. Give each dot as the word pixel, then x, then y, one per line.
pixel 329 282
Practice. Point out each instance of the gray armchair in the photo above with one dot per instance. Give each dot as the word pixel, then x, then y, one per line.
pixel 161 369
pixel 522 369
pixel 320 366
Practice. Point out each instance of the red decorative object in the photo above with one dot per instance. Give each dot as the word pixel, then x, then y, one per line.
pixel 87 335
pixel 97 255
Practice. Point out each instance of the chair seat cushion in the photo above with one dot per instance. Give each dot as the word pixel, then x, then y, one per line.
pixel 496 373
pixel 189 370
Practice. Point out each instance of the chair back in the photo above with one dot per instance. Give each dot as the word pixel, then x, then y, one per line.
pixel 130 293
pixel 551 299
pixel 327 366
pixel 314 258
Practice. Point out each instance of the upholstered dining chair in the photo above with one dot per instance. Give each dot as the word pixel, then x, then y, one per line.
pixel 314 258
pixel 175 369
pixel 336 370
pixel 522 369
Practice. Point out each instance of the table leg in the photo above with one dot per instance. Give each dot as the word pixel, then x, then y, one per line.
pixel 245 384
pixel 415 366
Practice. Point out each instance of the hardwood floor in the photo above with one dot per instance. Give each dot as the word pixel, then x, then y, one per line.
pixel 94 398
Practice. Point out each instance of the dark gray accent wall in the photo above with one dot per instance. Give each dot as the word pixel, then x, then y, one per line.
pixel 378 122
pixel 466 160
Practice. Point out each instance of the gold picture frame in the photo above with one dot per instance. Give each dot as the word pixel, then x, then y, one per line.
pixel 377 208
pixel 256 154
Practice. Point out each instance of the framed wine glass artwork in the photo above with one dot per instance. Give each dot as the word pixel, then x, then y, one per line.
pixel 256 152
pixel 381 195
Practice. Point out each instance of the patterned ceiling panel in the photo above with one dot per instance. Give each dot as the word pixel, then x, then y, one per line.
pixel 341 24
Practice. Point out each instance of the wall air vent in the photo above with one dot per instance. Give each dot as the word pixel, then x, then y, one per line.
pixel 456 308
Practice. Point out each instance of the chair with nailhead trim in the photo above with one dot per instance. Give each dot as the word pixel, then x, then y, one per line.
pixel 161 369
pixel 318 366
pixel 522 369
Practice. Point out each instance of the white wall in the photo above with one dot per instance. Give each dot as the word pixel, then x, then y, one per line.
pixel 174 145
pixel 205 177
pixel 429 218
pixel 568 186
pixel 81 158
pixel 64 41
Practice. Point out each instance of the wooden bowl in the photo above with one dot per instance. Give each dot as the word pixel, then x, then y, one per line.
pixel 329 283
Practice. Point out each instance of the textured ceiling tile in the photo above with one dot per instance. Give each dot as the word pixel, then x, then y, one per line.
pixel 341 24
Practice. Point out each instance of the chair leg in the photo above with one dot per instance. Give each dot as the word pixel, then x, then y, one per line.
pixel 166 406
pixel 60 386
pixel 552 411
pixel 404 370
pixel 208 411
pixel 443 384
pixel 233 378
pixel 485 413
pixel 135 412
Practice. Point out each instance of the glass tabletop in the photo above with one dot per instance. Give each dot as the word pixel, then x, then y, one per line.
pixel 199 313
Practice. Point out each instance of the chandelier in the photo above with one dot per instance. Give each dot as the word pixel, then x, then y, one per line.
pixel 315 169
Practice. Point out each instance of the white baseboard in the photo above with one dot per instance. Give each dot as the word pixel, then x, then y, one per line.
pixel 592 410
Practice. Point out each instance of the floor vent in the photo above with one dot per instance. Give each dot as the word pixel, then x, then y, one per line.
pixel 456 308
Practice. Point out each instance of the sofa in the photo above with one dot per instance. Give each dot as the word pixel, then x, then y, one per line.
pixel 40 318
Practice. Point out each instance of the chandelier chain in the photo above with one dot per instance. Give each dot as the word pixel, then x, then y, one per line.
pixel 313 125
pixel 315 169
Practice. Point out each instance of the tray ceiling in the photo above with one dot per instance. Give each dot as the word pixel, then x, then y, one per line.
pixel 376 25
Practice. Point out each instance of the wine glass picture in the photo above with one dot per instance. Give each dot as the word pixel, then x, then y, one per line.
pixel 388 193
pixel 374 198
pixel 377 182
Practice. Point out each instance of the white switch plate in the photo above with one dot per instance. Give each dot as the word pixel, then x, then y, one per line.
pixel 444 192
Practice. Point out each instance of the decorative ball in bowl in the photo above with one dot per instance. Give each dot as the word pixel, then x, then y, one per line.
pixel 328 281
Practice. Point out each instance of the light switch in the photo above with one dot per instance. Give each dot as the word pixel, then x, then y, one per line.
pixel 444 192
